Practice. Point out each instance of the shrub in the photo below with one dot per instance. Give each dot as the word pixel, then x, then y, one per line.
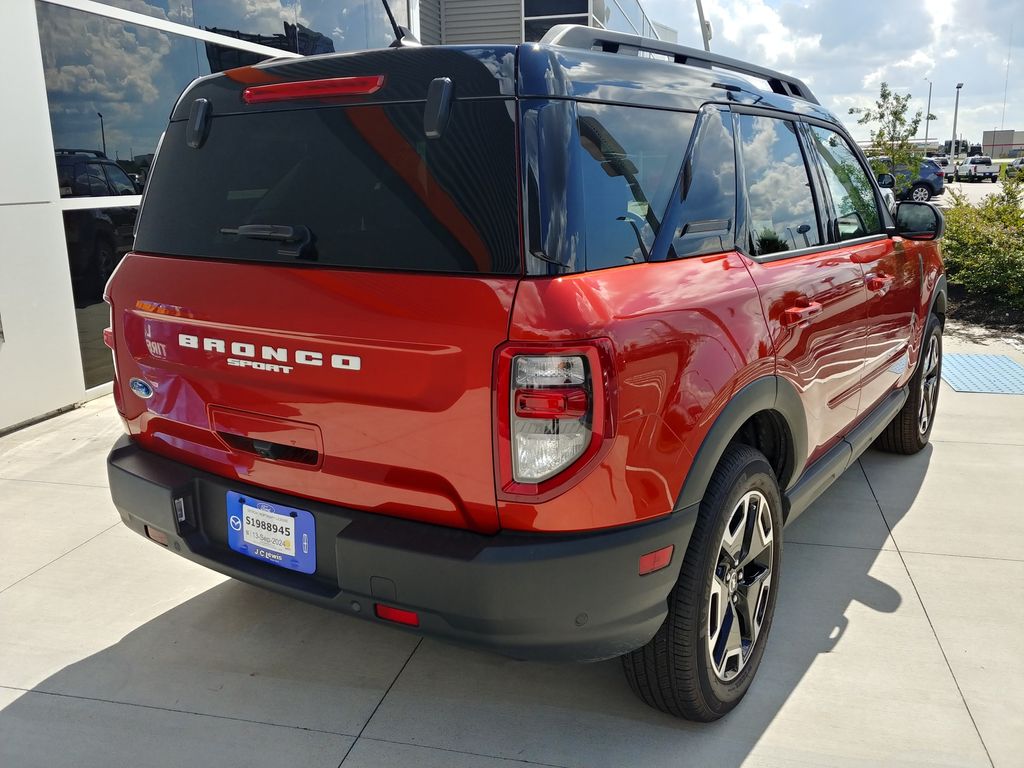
pixel 984 245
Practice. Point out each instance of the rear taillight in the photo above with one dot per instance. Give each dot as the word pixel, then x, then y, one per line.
pixel 314 89
pixel 553 414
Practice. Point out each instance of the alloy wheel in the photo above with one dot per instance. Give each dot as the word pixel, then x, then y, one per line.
pixel 920 195
pixel 929 385
pixel 740 585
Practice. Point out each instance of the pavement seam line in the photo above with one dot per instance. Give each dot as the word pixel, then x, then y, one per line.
pixel 927 616
pixel 115 702
pixel 63 555
pixel 51 482
pixel 905 551
pixel 392 685
pixel 463 752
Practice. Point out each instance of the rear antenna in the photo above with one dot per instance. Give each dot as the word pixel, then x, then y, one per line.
pixel 403 36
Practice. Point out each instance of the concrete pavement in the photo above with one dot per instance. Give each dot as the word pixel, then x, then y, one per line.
pixel 897 638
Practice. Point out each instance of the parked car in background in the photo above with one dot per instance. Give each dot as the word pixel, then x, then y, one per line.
pixel 929 182
pixel 97 238
pixel 943 162
pixel 1015 169
pixel 977 169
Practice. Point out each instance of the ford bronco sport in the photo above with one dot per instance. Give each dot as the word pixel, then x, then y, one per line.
pixel 530 347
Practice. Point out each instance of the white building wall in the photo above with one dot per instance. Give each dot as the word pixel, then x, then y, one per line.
pixel 40 365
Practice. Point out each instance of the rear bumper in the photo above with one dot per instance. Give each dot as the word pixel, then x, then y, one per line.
pixel 571 597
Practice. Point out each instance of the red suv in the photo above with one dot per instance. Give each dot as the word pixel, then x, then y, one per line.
pixel 532 347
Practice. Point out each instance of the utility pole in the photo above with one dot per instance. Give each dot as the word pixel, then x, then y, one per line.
pixel 928 112
pixel 953 146
pixel 705 28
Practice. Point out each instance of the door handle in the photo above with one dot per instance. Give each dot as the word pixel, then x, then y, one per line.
pixel 880 283
pixel 797 315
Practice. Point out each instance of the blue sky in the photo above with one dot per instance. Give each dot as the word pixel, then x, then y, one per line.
pixel 844 50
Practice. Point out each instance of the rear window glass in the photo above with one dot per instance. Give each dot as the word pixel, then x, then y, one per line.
pixel 364 181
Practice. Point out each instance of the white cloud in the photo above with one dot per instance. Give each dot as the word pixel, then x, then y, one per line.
pixel 843 50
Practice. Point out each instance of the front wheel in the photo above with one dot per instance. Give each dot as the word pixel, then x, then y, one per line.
pixel 911 428
pixel 703 659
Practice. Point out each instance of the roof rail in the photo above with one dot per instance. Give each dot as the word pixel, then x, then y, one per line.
pixel 93 152
pixel 592 38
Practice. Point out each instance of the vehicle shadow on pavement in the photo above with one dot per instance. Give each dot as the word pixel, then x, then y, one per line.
pixel 262 660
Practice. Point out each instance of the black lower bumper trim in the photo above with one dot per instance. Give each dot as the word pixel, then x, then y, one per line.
pixel 567 596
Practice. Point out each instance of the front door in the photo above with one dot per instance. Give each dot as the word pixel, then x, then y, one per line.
pixel 813 295
pixel 890 273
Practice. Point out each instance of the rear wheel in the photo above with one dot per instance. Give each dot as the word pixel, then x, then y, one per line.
pixel 703 659
pixel 920 193
pixel 910 430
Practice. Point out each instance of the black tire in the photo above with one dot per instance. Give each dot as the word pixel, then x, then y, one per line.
pixel 911 428
pixel 920 193
pixel 676 671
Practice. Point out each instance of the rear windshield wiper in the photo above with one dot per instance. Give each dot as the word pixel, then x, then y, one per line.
pixel 299 238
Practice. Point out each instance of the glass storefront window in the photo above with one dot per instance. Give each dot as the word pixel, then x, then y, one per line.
pixel 553 7
pixel 310 27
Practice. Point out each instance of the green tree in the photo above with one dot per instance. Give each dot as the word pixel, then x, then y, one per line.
pixel 893 128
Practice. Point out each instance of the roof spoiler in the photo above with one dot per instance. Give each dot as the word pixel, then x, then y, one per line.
pixel 591 38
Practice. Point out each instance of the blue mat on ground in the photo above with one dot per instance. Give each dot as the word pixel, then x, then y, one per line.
pixel 991 374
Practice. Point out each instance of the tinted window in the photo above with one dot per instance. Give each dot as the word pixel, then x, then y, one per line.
pixel 366 182
pixel 781 206
pixel 707 189
pixel 629 160
pixel 553 7
pixel 90 181
pixel 120 184
pixel 853 196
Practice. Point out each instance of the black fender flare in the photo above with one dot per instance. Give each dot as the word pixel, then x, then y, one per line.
pixel 769 393
pixel 940 295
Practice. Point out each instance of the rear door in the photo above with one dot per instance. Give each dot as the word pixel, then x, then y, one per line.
pixel 316 294
pixel 891 273
pixel 812 292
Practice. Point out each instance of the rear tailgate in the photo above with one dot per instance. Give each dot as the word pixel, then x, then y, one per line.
pixel 355 369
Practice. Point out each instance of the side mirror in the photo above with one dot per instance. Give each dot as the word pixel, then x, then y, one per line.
pixel 886 180
pixel 919 221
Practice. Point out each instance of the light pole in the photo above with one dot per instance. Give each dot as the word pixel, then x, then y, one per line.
pixel 928 114
pixel 956 108
pixel 103 134
pixel 705 28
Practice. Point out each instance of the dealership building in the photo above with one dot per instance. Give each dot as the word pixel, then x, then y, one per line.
pixel 1003 143
pixel 90 86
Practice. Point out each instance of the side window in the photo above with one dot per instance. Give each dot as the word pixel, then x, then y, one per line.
pixel 629 159
pixel 853 196
pixel 90 181
pixel 707 189
pixel 119 181
pixel 781 213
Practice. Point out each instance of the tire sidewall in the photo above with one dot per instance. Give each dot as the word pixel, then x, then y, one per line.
pixel 934 328
pixel 756 475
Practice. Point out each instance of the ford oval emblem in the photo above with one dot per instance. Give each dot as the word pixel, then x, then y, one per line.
pixel 141 388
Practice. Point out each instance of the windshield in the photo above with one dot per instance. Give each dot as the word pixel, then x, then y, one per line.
pixel 358 186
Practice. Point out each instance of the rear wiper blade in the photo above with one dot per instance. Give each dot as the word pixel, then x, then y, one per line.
pixel 299 237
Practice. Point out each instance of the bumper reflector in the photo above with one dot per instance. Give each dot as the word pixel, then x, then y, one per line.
pixel 157 535
pixel 108 337
pixel 397 615
pixel 656 560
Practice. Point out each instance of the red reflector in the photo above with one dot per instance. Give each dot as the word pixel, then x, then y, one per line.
pixel 940 174
pixel 397 615
pixel 157 535
pixel 108 337
pixel 656 560
pixel 553 403
pixel 314 89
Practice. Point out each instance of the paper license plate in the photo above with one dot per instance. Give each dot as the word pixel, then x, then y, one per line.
pixel 274 533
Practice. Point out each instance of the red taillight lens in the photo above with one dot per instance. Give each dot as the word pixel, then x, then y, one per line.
pixel 314 89
pixel 552 403
pixel 108 338
pixel 656 560
pixel 940 174
pixel 397 615
pixel 553 414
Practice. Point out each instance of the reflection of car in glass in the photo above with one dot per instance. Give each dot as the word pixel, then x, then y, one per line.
pixel 530 347
pixel 929 183
pixel 97 238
